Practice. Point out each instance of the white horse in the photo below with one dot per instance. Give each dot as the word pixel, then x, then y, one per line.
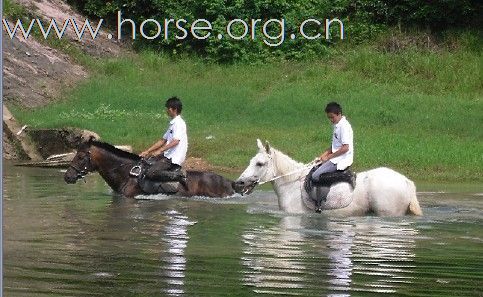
pixel 381 191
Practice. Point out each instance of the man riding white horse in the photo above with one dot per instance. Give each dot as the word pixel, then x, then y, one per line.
pixel 380 191
pixel 340 155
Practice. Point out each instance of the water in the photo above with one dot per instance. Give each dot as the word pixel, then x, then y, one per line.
pixel 79 240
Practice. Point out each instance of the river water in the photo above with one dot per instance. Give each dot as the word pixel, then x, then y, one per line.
pixel 79 240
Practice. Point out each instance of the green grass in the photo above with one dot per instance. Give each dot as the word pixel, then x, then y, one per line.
pixel 13 10
pixel 417 112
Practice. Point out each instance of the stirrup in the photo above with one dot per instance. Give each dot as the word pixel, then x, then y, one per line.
pixel 135 171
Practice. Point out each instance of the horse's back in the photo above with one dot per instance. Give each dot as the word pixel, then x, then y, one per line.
pixel 389 193
pixel 209 184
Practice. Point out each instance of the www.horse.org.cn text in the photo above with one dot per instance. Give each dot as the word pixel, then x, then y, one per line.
pixel 273 32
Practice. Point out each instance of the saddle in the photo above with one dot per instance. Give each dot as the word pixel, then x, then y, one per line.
pixel 165 182
pixel 318 191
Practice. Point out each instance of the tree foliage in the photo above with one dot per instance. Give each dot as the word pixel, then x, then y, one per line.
pixel 363 19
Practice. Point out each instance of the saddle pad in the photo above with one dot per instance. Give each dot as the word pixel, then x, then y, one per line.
pixel 323 195
pixel 336 197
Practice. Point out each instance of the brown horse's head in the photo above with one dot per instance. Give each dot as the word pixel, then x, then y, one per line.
pixel 113 165
pixel 239 188
pixel 81 165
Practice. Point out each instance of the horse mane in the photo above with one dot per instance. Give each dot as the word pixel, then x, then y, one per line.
pixel 114 150
pixel 284 163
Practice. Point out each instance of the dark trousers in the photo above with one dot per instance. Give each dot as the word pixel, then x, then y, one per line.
pixel 159 164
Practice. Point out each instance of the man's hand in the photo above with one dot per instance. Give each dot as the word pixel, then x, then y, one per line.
pixel 154 149
pixel 324 157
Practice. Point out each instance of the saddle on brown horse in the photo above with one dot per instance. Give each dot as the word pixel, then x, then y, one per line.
pixel 158 175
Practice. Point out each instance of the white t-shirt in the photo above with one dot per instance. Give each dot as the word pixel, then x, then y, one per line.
pixel 343 135
pixel 177 130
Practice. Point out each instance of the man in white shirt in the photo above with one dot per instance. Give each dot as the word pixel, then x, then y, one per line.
pixel 170 151
pixel 341 153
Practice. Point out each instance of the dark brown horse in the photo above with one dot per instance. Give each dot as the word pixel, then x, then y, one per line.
pixel 114 166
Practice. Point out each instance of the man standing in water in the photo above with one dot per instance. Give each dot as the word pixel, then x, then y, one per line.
pixel 169 152
pixel 341 153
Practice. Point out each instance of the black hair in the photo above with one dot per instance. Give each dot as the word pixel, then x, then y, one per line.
pixel 175 103
pixel 110 148
pixel 333 107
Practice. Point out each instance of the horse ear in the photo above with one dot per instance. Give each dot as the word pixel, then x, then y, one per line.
pixel 267 146
pixel 260 145
pixel 86 143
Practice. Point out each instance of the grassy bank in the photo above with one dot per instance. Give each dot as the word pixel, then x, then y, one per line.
pixel 417 112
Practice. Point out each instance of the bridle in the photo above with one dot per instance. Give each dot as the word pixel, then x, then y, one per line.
pixel 81 173
pixel 275 177
pixel 249 188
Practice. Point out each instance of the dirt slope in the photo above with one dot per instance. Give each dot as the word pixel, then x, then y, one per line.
pixel 34 74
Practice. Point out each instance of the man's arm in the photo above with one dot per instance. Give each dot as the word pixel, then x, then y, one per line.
pixel 346 137
pixel 343 149
pixel 323 157
pixel 166 147
pixel 153 148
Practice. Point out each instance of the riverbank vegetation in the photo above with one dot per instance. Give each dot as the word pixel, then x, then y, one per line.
pixel 408 77
pixel 363 20
pixel 415 110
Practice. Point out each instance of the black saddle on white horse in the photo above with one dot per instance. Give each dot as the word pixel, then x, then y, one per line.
pixel 318 191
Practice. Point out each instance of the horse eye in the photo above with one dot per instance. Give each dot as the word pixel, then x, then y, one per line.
pixel 260 164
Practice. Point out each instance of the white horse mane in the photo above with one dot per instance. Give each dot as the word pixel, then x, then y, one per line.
pixel 283 163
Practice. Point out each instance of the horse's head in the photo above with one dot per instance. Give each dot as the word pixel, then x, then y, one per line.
pixel 81 165
pixel 260 169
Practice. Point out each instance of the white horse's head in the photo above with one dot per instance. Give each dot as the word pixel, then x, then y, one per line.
pixel 260 169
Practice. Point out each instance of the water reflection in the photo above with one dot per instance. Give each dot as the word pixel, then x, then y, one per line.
pixel 176 239
pixel 302 253
pixel 273 256
pixel 384 252
pixel 78 240
pixel 340 242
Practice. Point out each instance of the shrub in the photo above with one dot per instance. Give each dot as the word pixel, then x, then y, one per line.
pixel 363 20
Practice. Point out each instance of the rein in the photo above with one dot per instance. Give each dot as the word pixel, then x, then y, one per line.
pixel 82 173
pixel 304 167
pixel 308 165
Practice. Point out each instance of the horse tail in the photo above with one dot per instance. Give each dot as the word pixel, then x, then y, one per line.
pixel 414 207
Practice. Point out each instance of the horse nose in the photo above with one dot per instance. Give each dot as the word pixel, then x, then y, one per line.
pixel 238 186
pixel 69 179
pixel 239 182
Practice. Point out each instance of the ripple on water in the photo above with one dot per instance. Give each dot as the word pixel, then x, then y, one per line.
pixel 75 240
